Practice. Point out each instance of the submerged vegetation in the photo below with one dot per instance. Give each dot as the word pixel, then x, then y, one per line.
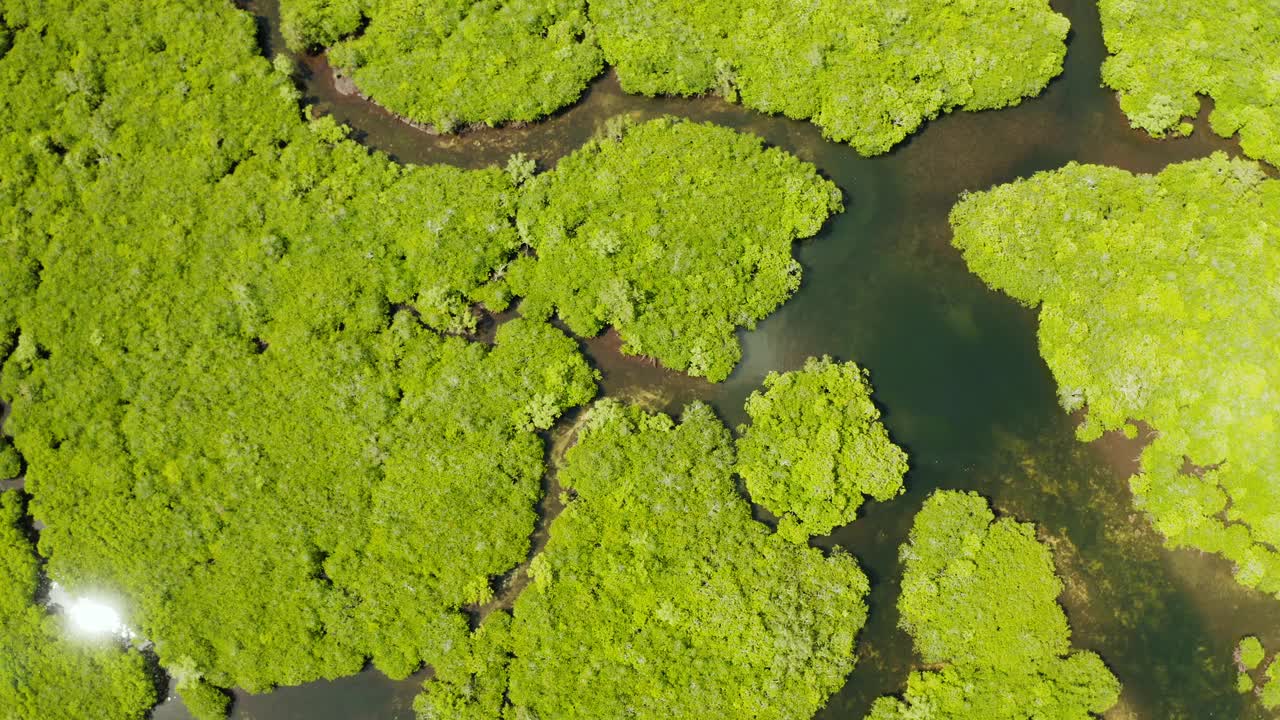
pixel 815 446
pixel 450 63
pixel 1158 303
pixel 1166 53
pixel 867 73
pixel 44 673
pixel 676 233
pixel 638 608
pixel 979 598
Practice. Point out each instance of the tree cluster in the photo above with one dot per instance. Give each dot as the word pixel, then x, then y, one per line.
pixel 675 233
pixel 44 672
pixel 815 447
pixel 1158 302
pixel 224 355
pixel 450 63
pixel 869 72
pixel 231 341
pixel 1256 676
pixel 659 596
pixel 1166 53
pixel 979 599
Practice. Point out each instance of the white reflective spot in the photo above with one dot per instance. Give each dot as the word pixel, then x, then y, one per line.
pixel 94 617
pixel 89 616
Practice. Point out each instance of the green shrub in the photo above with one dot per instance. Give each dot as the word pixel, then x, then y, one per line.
pixel 979 598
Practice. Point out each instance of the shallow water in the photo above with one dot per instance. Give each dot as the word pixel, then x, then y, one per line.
pixel 954 365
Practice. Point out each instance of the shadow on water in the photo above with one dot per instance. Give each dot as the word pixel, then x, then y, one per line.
pixel 954 365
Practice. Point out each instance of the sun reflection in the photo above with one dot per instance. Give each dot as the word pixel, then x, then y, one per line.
pixel 94 617
pixel 89 616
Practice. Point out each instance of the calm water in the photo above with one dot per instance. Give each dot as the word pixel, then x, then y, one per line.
pixel 954 365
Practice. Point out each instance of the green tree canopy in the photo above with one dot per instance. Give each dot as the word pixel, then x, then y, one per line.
pixel 979 598
pixel 815 446
pixel 230 409
pixel 1256 676
pixel 1167 52
pixel 867 72
pixel 10 462
pixel 1249 652
pixel 676 233
pixel 658 595
pixel 1158 302
pixel 454 62
pixel 1270 689
pixel 44 673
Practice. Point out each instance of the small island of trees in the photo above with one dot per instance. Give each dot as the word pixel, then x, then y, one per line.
pixel 451 63
pixel 979 599
pixel 815 447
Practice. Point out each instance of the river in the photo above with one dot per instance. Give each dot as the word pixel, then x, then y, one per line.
pixel 954 365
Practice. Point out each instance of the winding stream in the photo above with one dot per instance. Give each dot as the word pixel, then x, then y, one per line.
pixel 954 365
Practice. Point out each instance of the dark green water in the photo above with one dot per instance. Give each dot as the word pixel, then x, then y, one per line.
pixel 955 368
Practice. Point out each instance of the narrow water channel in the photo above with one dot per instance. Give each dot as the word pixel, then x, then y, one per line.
pixel 954 365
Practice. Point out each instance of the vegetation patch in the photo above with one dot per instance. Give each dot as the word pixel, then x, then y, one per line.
pixel 231 411
pixel 1256 676
pixel 658 595
pixel 815 447
pixel 44 672
pixel 1167 52
pixel 676 233
pixel 449 63
pixel 979 599
pixel 867 73
pixel 1158 302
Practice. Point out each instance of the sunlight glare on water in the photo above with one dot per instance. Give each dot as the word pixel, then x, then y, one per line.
pixel 89 616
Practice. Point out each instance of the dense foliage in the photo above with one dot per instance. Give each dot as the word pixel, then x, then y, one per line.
pixel 45 674
pixel 868 72
pixel 229 408
pixel 1255 676
pixel 10 462
pixel 1167 52
pixel 453 62
pixel 676 233
pixel 815 446
pixel 658 595
pixel 979 598
pixel 1159 302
